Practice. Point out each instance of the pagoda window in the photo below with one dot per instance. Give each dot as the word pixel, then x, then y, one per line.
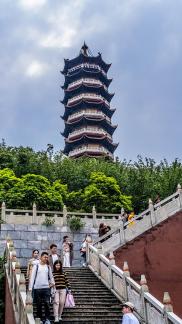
pixel 86 81
pixel 88 96
pixel 90 148
pixel 89 129
pixel 87 113
pixel 87 65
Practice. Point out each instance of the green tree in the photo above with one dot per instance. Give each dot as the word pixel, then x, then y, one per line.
pixel 105 194
pixel 7 181
pixel 34 188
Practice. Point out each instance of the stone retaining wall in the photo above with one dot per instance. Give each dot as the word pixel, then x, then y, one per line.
pixel 29 237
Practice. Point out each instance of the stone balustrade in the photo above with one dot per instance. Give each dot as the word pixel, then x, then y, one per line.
pixel 151 217
pixel 21 302
pixel 147 308
pixel 34 216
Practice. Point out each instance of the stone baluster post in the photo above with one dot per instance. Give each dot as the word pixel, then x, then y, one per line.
pixel 111 262
pixel 94 214
pixel 121 231
pixel 179 190
pixel 126 273
pixel 17 267
pixel 13 256
pixel 99 251
pixel 152 213
pixel 22 283
pixel 167 302
pixel 167 305
pixel 34 218
pixel 29 302
pixel 3 212
pixel 65 215
pixel 144 288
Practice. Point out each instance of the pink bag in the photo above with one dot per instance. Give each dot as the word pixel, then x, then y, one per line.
pixel 69 302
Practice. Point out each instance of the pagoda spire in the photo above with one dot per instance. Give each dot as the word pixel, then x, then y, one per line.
pixel 84 49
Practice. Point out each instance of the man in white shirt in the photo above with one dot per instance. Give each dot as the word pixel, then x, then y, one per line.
pixel 128 316
pixel 53 256
pixel 41 282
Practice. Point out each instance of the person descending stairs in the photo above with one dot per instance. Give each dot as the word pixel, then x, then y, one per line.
pixel 94 303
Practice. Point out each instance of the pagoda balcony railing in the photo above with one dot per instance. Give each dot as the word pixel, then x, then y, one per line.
pixel 90 148
pixel 87 96
pixel 88 66
pixel 90 130
pixel 89 81
pixel 87 113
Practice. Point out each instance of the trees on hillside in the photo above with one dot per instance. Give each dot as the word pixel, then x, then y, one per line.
pixel 73 181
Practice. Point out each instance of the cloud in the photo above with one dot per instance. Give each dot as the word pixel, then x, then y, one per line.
pixel 31 4
pixel 36 69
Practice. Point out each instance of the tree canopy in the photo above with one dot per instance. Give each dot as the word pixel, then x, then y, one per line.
pixel 50 180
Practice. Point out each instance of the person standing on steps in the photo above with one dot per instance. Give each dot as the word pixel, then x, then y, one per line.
pixel 83 249
pixel 128 316
pixel 53 256
pixel 61 286
pixel 67 249
pixel 31 262
pixel 41 282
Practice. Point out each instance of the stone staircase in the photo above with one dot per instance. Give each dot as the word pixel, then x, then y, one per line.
pixel 94 302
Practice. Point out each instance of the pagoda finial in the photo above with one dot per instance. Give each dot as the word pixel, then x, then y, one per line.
pixel 84 49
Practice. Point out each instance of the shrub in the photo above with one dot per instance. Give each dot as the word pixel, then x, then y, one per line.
pixel 48 221
pixel 75 223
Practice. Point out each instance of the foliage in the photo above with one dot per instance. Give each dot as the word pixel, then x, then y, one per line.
pixel 105 194
pixel 49 221
pixel 75 223
pixel 72 182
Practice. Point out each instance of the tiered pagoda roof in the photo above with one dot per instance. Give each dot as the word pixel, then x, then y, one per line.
pixel 88 128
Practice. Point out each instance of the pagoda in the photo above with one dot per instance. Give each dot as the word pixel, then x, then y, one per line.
pixel 87 115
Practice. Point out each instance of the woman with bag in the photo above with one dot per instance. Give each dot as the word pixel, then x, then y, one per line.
pixel 61 287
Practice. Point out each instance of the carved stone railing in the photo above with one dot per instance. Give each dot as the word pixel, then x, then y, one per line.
pixel 21 301
pixel 151 217
pixel 147 308
pixel 34 216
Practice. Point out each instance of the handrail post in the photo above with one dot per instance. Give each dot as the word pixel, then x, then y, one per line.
pixel 121 231
pixel 94 214
pixel 3 212
pixel 99 251
pixel 126 274
pixel 152 213
pixel 34 218
pixel 179 190
pixel 111 262
pixel 65 215
pixel 144 288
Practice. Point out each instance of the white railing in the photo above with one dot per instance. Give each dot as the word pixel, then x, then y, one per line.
pixel 86 81
pixel 148 309
pixel 88 113
pixel 16 284
pixel 88 149
pixel 90 130
pixel 154 215
pixel 34 216
pixel 87 65
pixel 88 96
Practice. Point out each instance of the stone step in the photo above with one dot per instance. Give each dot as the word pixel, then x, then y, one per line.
pixel 94 302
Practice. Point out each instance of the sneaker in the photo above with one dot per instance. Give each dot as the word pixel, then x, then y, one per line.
pixel 60 318
pixel 56 320
pixel 47 321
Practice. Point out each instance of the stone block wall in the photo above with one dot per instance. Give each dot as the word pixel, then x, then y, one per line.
pixel 29 237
